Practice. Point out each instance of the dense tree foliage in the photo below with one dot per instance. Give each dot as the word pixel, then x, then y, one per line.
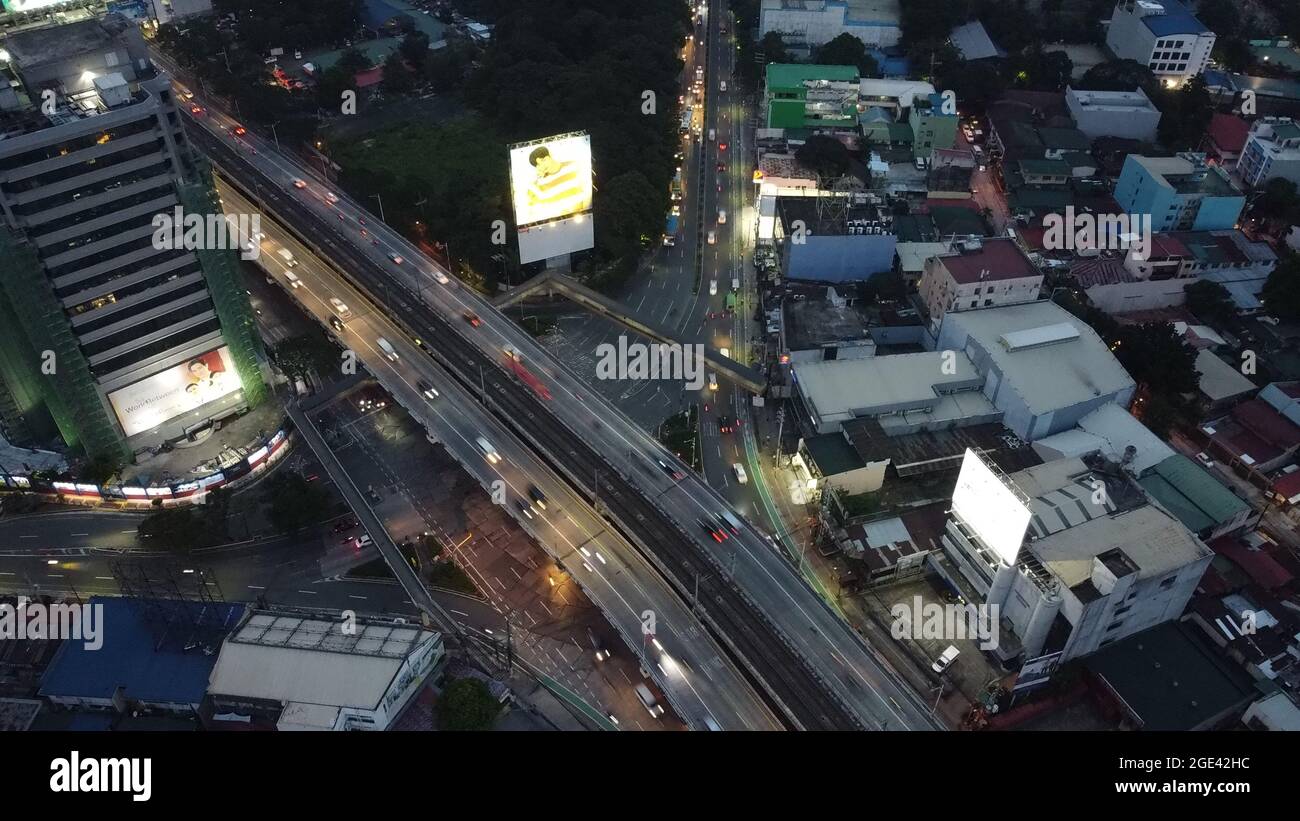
pixel 847 50
pixel 1210 302
pixel 1282 290
pixel 467 704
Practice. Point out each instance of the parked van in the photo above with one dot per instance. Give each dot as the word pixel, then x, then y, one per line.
pixel 287 255
pixel 387 348
pixel 647 700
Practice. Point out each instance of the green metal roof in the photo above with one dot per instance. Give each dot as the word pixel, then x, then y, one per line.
pixel 833 454
pixel 1191 493
pixel 1171 678
pixel 793 75
pixel 1068 138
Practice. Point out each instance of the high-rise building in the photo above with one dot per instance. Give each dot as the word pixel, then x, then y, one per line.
pixel 109 338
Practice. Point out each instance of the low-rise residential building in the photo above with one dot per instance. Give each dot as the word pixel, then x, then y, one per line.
pixel 1197 498
pixel 973 42
pixel 933 127
pixel 799 96
pixel 1163 35
pixel 978 274
pixel 1224 138
pixel 1129 114
pixel 894 96
pixel 1257 436
pixel 806 24
pixel 1219 384
pixel 1271 95
pixel 1181 193
pixel 1272 150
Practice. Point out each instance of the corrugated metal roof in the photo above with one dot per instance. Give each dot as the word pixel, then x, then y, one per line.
pixel 1199 488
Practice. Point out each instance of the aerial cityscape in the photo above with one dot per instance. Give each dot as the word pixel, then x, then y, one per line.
pixel 613 366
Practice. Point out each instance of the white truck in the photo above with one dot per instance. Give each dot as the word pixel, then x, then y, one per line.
pixel 287 255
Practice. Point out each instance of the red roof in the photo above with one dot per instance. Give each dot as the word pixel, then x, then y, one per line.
pixel 1265 422
pixel 370 77
pixel 1167 246
pixel 1287 485
pixel 1228 132
pixel 1259 565
pixel 997 259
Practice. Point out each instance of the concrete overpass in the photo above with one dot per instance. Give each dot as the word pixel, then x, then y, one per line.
pixel 551 283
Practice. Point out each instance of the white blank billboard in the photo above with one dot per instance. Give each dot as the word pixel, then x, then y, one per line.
pixel 552 239
pixel 989 508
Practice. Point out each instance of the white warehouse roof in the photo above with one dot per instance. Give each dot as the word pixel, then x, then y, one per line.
pixel 1060 371
pixel 291 658
pixel 842 389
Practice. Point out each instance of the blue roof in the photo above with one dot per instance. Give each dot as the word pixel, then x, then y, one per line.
pixel 1177 19
pixel 152 664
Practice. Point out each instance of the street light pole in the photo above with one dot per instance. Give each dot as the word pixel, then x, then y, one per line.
pixel 380 200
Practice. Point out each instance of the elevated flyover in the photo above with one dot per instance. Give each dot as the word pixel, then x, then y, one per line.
pixel 550 283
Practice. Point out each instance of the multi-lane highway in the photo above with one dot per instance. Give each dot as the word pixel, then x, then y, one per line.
pixel 608 568
pixel 808 661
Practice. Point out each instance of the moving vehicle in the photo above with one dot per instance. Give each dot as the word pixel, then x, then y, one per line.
pixel 336 323
pixel 945 661
pixel 735 283
pixel 648 701
pixel 341 310
pixel 712 135
pixel 712 725
pixel 530 379
pixel 299 184
pixel 387 347
pixel 739 470
pixel 1204 459
pixel 287 256
pixel 292 278
pixel 672 472
pixel 442 278
pixel 712 239
pixel 472 318
pixel 722 216
pixel 730 518
pixel 429 391
pixel 725 425
pixel 513 353
pixel 524 509
pixel 713 287
pixel 719 534
pixel 722 146
pixel 713 381
pixel 490 452
pixel 537 496
pixel 331 197
pixel 365 541
pixel 240 131
pixel 670 230
pixel 722 86
pixel 397 260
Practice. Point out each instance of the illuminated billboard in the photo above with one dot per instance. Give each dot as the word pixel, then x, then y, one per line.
pixel 30 5
pixel 550 185
pixel 179 389
pixel 991 509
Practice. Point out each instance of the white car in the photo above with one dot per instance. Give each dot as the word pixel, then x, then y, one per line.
pixel 488 451
pixel 440 276
pixel 722 217
pixel 387 347
pixel 1204 459
pixel 331 197
pixel 397 260
pixel 713 287
pixel 739 470
pixel 712 238
pixel 945 661
pixel 299 184
pixel 713 381
pixel 292 278
pixel 722 86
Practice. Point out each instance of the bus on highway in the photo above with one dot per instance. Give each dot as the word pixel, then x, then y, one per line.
pixel 675 189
